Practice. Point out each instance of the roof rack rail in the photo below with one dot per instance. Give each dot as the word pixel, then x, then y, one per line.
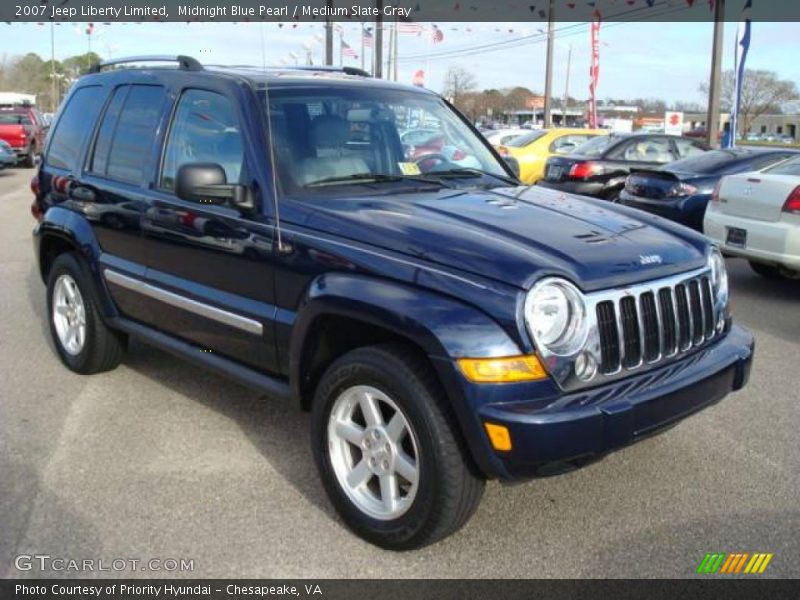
pixel 332 69
pixel 187 63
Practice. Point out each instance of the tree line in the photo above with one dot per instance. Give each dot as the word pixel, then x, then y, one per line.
pixel 763 92
pixel 48 80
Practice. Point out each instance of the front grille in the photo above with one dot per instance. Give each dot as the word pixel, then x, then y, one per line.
pixel 654 323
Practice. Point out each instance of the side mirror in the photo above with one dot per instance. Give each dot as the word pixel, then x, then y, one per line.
pixel 207 183
pixel 512 164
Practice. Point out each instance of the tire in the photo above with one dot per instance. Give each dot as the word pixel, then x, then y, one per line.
pixel 99 348
pixel 29 162
pixel 613 196
pixel 447 489
pixel 768 271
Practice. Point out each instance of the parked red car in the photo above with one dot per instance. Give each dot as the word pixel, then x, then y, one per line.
pixel 24 129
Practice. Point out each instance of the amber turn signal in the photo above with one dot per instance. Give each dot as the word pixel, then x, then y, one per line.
pixel 508 369
pixel 499 436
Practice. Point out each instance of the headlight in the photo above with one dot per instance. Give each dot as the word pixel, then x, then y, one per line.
pixel 555 314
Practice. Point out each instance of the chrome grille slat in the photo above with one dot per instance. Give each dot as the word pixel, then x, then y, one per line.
pixel 647 324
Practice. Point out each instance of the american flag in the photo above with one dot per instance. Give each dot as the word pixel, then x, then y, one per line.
pixel 348 51
pixel 437 37
pixel 369 39
pixel 410 27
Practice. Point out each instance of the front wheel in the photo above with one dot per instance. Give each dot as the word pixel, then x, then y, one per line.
pixel 768 271
pixel 390 457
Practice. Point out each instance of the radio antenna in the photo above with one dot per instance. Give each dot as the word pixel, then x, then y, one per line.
pixel 270 144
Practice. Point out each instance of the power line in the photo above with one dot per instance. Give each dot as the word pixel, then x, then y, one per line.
pixel 564 31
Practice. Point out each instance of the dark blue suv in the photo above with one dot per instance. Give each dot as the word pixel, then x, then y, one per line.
pixel 444 324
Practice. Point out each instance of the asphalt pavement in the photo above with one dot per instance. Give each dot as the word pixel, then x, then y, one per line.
pixel 160 459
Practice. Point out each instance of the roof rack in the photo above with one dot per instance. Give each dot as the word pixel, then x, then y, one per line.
pixel 187 63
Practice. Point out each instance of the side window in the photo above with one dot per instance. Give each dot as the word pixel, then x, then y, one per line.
pixel 133 138
pixel 204 129
pixel 102 145
pixel 687 148
pixel 79 115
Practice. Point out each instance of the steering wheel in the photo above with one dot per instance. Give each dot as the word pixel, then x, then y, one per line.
pixel 438 157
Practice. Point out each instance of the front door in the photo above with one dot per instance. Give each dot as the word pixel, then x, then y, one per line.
pixel 210 271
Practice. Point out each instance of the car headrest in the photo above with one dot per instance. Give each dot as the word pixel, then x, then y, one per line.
pixel 329 131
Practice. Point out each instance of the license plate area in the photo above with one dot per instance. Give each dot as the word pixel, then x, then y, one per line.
pixel 736 237
pixel 555 172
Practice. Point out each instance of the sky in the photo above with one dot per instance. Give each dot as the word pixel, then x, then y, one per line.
pixel 638 60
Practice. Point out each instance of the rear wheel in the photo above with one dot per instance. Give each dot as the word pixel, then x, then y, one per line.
pixel 30 159
pixel 389 455
pixel 768 271
pixel 82 340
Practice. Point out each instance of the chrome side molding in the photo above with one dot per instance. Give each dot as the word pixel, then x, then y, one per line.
pixel 193 306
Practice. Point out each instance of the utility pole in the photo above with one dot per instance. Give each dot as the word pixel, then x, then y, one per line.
pixel 394 52
pixel 53 97
pixel 712 120
pixel 329 35
pixel 566 90
pixel 362 46
pixel 548 75
pixel 379 40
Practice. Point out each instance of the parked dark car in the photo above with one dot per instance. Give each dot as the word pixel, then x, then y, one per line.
pixel 600 166
pixel 680 191
pixel 443 325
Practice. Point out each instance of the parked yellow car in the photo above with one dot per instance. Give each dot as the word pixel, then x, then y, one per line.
pixel 532 149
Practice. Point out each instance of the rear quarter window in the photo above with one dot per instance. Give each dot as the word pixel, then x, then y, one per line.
pixel 78 118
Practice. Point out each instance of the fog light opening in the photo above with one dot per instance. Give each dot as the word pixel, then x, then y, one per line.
pixel 585 366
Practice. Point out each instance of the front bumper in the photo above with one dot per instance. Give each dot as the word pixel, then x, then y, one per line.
pixel 583 426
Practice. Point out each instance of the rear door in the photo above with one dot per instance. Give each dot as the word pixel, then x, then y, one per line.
pixel 210 269
pixel 111 189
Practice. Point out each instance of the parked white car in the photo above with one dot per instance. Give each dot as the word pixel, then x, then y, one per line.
pixel 499 137
pixel 757 216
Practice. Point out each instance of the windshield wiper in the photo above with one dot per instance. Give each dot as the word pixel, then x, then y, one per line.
pixel 471 172
pixel 374 178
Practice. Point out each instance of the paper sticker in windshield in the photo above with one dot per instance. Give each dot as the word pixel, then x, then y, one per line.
pixel 409 168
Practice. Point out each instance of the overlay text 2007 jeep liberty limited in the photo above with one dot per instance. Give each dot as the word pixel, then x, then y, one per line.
pixel 354 246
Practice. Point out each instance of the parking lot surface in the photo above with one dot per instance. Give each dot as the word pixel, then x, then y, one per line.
pixel 160 459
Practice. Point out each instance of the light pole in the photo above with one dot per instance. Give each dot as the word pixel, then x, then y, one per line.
pixel 548 74
pixel 712 120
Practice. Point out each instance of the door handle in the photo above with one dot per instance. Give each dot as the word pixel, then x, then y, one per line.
pixel 81 193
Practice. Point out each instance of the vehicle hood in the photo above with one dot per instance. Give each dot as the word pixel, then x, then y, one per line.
pixel 515 235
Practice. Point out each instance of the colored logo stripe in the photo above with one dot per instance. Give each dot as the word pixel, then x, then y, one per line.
pixel 711 562
pixel 734 563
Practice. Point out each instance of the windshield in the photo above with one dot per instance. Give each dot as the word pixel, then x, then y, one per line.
pixel 596 146
pixel 526 139
pixel 329 137
pixel 14 119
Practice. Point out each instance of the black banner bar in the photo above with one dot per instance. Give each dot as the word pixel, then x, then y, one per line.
pixel 405 10
pixel 711 587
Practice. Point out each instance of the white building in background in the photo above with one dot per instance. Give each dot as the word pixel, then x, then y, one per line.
pixel 14 98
